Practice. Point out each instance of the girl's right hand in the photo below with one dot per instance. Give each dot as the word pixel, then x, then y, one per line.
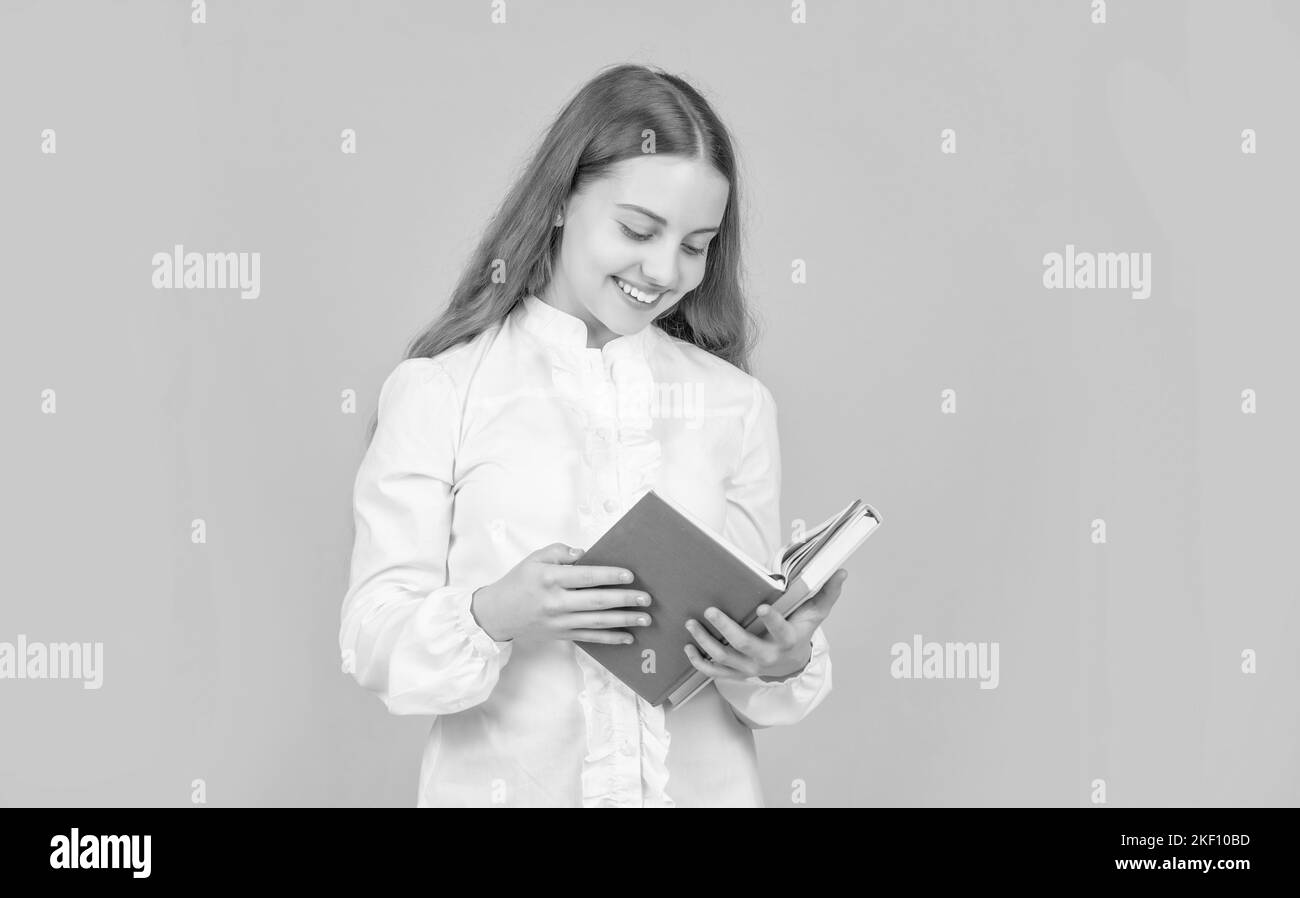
pixel 546 596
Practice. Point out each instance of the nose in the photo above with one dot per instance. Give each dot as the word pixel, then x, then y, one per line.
pixel 659 265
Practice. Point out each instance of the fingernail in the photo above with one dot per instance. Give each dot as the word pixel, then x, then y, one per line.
pixel 762 609
pixel 627 576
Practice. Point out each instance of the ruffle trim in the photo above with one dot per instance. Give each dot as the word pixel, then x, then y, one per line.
pixel 626 764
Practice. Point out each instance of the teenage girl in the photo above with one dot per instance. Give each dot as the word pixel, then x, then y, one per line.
pixel 595 347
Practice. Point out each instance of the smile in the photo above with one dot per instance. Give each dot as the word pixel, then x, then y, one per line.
pixel 638 296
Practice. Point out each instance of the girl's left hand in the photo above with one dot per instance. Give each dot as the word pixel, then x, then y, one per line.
pixel 784 651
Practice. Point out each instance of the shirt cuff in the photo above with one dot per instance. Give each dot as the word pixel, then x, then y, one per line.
pixel 445 662
pixel 762 703
pixel 474 632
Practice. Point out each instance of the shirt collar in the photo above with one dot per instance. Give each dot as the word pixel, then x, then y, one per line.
pixel 560 329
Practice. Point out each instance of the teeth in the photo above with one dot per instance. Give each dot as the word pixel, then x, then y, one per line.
pixel 635 293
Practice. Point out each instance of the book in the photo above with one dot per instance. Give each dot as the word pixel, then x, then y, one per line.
pixel 686 567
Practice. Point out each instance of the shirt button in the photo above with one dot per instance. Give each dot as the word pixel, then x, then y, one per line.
pixel 611 505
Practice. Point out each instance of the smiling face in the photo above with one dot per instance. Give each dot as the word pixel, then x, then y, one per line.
pixel 646 226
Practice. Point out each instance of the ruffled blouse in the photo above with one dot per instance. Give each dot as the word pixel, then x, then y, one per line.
pixel 517 439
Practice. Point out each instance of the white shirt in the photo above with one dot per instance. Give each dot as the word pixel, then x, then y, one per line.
pixel 525 437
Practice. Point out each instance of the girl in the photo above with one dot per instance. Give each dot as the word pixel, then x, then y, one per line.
pixel 522 424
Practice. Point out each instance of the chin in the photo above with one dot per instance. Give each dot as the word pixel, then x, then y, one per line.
pixel 620 325
pixel 621 321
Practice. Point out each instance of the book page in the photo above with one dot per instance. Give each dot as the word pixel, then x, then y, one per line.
pixel 795 545
pixel 792 565
pixel 843 544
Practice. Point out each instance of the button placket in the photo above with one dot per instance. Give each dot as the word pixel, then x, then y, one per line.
pixel 619 455
pixel 595 449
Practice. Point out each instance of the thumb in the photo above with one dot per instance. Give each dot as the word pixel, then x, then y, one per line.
pixel 816 608
pixel 558 553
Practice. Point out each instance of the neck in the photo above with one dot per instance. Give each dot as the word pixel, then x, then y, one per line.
pixel 597 334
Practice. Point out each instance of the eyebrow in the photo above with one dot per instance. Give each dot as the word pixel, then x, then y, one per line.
pixel 659 218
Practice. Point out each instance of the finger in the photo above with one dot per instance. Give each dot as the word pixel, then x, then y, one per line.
pixel 557 553
pixel 719 653
pixel 581 576
pixel 819 606
pixel 737 636
pixel 606 637
pixel 716 671
pixel 600 620
pixel 783 633
pixel 596 599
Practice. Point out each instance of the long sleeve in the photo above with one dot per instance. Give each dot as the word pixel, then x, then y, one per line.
pixel 407 634
pixel 753 524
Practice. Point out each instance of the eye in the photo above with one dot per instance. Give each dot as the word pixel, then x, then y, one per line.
pixel 639 237
pixel 635 235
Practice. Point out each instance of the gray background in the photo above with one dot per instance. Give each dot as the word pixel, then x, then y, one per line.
pixel 1119 661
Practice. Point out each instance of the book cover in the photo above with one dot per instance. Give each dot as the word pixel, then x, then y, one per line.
pixel 685 569
pixel 806 566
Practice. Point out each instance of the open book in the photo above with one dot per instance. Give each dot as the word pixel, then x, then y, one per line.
pixel 686 568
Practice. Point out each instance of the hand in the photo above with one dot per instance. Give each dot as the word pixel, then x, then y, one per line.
pixel 785 650
pixel 546 597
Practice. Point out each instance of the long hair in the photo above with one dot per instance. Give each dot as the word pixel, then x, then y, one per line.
pixel 602 125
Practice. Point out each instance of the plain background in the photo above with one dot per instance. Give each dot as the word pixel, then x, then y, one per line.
pixel 1119 662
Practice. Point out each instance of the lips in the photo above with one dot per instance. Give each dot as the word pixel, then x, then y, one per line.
pixel 632 299
pixel 636 286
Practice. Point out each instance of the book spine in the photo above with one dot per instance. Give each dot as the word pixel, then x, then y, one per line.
pixel 685 692
pixel 793 598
